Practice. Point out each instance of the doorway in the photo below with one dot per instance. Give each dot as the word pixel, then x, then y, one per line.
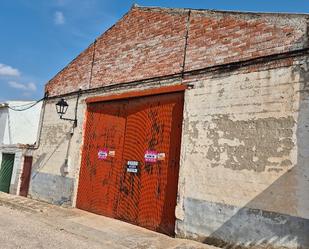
pixel 130 160
pixel 6 170
pixel 25 177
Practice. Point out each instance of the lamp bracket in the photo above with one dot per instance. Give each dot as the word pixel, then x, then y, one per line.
pixel 69 119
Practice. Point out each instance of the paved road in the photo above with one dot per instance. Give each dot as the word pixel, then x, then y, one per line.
pixel 21 230
pixel 29 224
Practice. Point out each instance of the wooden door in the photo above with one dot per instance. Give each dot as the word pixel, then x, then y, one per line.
pixel 6 170
pixel 25 177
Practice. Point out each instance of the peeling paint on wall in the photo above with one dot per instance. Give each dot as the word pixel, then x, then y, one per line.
pixel 251 144
pixel 242 180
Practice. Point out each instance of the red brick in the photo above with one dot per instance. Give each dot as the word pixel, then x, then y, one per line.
pixel 149 42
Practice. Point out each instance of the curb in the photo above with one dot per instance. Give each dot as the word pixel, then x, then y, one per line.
pixel 13 205
pixel 21 203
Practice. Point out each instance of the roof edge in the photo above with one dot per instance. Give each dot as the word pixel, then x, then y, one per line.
pixel 134 6
pixel 157 8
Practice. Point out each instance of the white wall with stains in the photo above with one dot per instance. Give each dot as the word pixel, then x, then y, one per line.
pixel 243 175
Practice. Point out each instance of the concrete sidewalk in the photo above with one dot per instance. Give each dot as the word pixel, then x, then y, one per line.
pixel 46 226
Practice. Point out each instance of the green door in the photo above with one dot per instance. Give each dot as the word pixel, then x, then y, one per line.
pixel 6 172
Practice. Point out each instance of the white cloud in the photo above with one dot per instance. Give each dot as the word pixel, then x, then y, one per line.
pixel 59 18
pixel 6 70
pixel 30 87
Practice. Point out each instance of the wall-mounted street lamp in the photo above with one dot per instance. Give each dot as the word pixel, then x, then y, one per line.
pixel 62 107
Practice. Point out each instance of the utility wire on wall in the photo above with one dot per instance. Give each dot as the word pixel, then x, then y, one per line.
pixel 25 106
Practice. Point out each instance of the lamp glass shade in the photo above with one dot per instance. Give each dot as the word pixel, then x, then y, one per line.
pixel 62 107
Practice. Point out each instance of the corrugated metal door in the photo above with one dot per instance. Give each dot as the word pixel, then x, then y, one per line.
pixel 25 177
pixel 148 198
pixel 102 158
pixel 147 127
pixel 6 172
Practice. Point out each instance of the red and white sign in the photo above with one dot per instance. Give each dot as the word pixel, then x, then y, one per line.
pixel 151 156
pixel 102 154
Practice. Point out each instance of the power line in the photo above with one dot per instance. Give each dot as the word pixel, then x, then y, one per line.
pixel 28 104
pixel 13 108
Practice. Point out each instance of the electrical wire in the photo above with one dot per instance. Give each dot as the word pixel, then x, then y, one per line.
pixel 28 104
pixel 14 108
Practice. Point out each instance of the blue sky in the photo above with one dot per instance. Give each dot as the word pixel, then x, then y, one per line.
pixel 39 37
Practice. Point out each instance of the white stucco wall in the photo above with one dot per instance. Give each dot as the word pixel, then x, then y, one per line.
pixel 244 161
pixel 4 125
pixel 23 125
pixel 17 129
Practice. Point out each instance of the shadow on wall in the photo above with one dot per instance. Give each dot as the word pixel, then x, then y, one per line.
pixel 40 163
pixel 254 227
pixel 53 188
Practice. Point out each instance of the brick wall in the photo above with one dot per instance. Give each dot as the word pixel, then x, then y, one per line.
pixel 76 75
pixel 222 37
pixel 144 44
pixel 150 42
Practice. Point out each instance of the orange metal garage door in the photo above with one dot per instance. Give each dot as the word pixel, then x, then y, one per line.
pixel 130 160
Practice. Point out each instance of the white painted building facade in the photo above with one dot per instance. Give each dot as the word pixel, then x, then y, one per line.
pixel 18 135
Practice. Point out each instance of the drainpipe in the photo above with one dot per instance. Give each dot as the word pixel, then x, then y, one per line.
pixel 38 137
pixel 66 162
